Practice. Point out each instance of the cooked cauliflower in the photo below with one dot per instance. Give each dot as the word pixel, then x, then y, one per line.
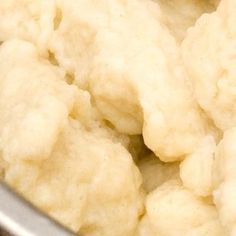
pixel 173 210
pixel 61 164
pixel 224 180
pixel 137 82
pixel 72 184
pixel 30 90
pixel 208 52
pixel 116 119
pixel 179 15
pixel 197 169
pixel 28 20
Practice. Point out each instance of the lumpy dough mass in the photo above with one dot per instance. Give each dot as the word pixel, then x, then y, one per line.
pixel 117 117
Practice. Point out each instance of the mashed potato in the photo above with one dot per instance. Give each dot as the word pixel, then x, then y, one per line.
pixel 117 117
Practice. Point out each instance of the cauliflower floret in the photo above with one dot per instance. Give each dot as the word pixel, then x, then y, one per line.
pixel 88 183
pixel 155 172
pixel 225 179
pixel 28 20
pixel 173 210
pixel 120 55
pixel 81 81
pixel 209 54
pixel 76 170
pixel 179 15
pixel 196 169
pixel 33 99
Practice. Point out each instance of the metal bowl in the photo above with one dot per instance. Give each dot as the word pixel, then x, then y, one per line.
pixel 20 218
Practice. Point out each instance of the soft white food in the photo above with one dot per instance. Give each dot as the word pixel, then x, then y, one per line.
pixel 139 84
pixel 59 163
pixel 118 117
pixel 208 52
pixel 173 210
pixel 196 171
pixel 224 180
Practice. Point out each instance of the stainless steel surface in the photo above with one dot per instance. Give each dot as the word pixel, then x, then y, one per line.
pixel 19 218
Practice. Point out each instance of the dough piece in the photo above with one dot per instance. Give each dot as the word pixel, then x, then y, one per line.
pixel 130 63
